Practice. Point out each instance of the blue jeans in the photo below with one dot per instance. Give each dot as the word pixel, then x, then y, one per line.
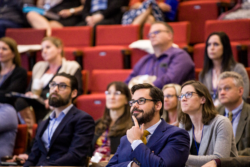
pixel 4 24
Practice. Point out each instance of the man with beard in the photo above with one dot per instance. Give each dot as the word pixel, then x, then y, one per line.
pixel 64 138
pixel 151 141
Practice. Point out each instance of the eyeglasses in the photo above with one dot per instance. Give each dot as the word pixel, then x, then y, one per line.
pixel 188 95
pixel 156 32
pixel 140 101
pixel 168 96
pixel 61 86
pixel 114 93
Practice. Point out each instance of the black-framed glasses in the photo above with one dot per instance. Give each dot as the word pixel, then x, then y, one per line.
pixel 114 93
pixel 188 95
pixel 168 96
pixel 140 101
pixel 61 86
pixel 156 32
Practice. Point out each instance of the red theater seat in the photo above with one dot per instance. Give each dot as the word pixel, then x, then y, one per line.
pixel 101 78
pixel 117 34
pixel 93 104
pixel 85 81
pixel 21 139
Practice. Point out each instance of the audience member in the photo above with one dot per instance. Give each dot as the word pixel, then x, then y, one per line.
pixel 233 161
pixel 171 93
pixel 65 137
pixel 115 121
pixel 230 90
pixel 8 129
pixel 67 11
pixel 11 15
pixel 211 134
pixel 101 12
pixel 159 144
pixel 13 78
pixel 42 73
pixel 217 59
pixel 168 64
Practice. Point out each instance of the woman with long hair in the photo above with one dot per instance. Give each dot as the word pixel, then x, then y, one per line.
pixel 218 58
pixel 115 121
pixel 211 134
pixel 171 93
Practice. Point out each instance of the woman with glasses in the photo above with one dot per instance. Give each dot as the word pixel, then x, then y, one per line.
pixel 218 58
pixel 171 93
pixel 115 121
pixel 42 73
pixel 211 135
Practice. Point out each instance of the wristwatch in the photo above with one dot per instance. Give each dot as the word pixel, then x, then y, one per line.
pixel 72 10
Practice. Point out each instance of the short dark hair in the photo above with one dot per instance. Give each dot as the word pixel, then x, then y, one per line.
pixel 155 93
pixel 72 78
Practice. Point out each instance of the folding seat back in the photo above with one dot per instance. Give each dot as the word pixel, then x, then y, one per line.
pixel 136 55
pixel 237 30
pixel 197 12
pixel 21 139
pixel 93 104
pixel 117 34
pixel 101 78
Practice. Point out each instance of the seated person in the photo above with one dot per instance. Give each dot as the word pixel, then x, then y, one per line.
pixel 11 15
pixel 233 161
pixel 211 134
pixel 8 129
pixel 149 11
pixel 217 59
pixel 151 141
pixel 231 90
pixel 42 73
pixel 167 64
pixel 65 137
pixel 13 78
pixel 101 12
pixel 115 121
pixel 67 10
pixel 171 93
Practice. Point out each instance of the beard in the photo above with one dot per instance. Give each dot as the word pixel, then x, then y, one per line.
pixel 58 101
pixel 146 117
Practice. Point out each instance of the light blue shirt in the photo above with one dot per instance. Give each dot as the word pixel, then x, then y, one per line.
pixel 53 124
pixel 151 130
pixel 236 117
pixel 97 5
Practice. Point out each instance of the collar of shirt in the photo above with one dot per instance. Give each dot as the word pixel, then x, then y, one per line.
pixel 236 110
pixel 151 129
pixel 64 112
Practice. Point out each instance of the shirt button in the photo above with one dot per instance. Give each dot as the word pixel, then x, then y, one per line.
pixel 48 157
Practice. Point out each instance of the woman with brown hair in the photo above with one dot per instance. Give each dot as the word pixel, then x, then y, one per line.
pixel 211 135
pixel 115 121
pixel 13 78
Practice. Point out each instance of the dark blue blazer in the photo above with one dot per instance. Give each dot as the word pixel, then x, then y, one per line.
pixel 70 142
pixel 167 147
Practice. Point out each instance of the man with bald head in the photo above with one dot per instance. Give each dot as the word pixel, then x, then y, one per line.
pixel 168 64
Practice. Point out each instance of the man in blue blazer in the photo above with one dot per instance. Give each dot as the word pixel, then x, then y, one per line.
pixel 63 139
pixel 165 145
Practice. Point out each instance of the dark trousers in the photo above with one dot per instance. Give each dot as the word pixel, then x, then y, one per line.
pixel 4 24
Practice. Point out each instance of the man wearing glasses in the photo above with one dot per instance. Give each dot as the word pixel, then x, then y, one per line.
pixel 168 64
pixel 151 141
pixel 64 138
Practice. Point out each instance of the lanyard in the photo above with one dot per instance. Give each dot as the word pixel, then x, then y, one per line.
pixel 50 133
pixel 197 149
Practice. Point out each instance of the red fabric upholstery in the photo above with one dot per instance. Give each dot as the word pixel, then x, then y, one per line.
pixel 181 32
pixel 74 36
pixel 85 81
pixel 101 78
pixel 26 36
pixel 237 30
pixel 21 139
pixel 136 55
pixel 197 12
pixel 93 104
pixel 199 50
pixel 116 34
